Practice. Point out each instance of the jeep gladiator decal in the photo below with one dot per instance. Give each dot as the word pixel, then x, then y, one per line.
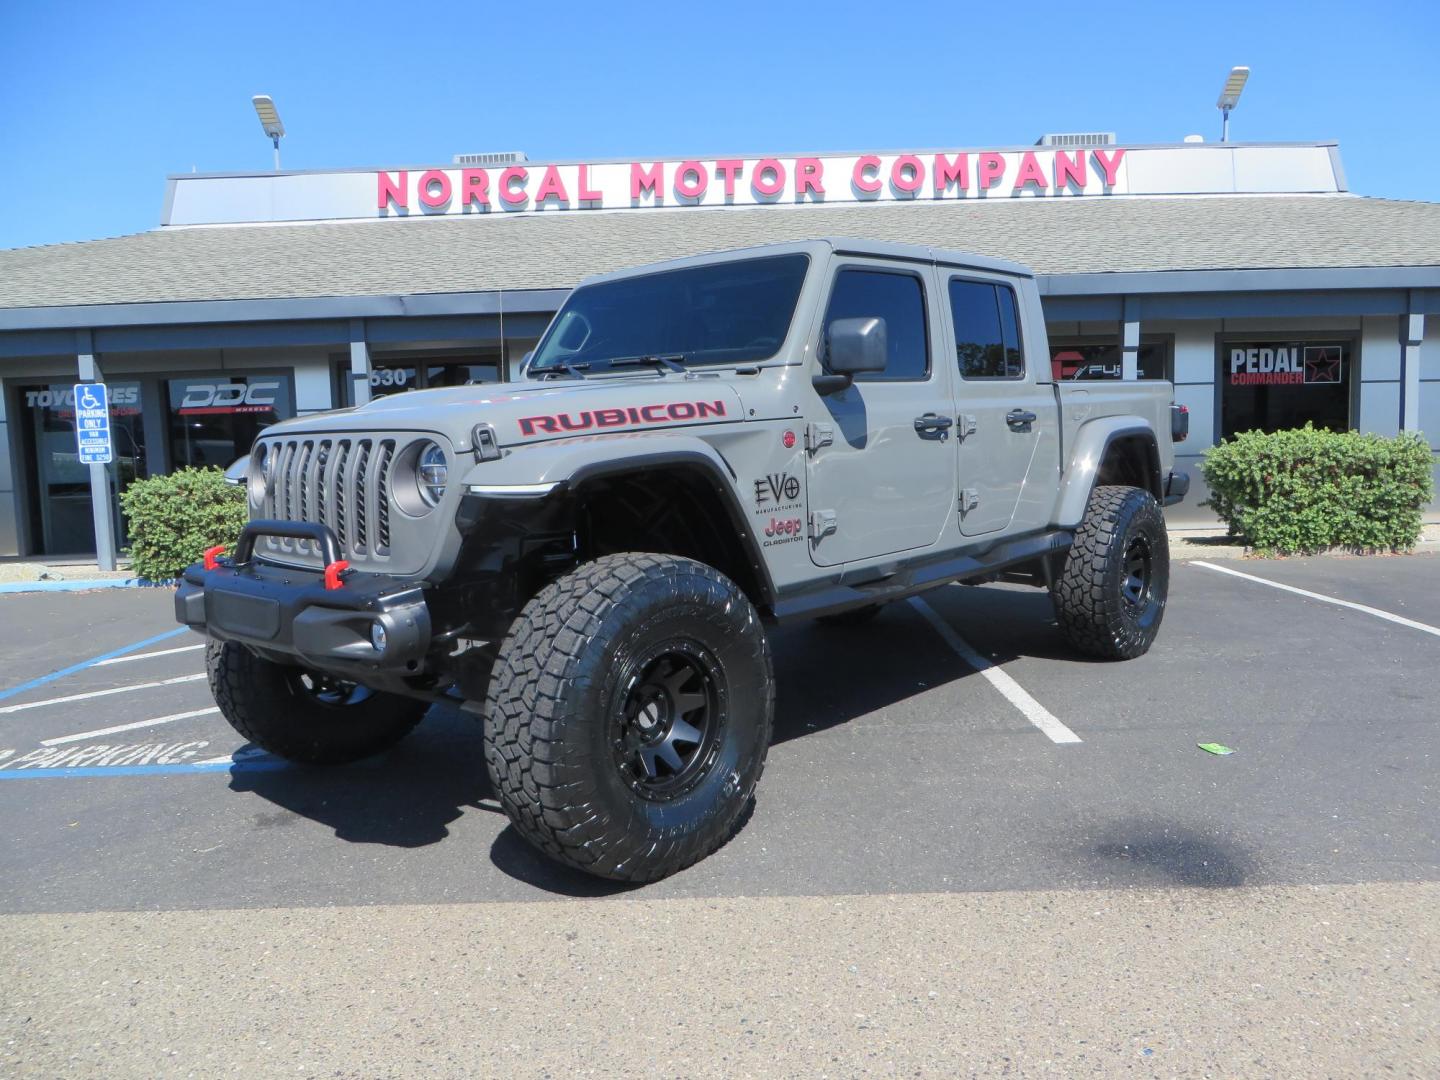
pixel 777 502
pixel 645 414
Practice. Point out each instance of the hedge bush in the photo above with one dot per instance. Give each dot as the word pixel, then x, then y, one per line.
pixel 1307 490
pixel 174 518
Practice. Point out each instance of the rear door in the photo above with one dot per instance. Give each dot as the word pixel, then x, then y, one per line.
pixel 884 481
pixel 1007 422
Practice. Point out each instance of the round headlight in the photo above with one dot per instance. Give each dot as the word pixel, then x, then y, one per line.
pixel 431 473
pixel 262 469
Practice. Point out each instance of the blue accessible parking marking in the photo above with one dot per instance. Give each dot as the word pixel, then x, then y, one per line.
pixel 74 668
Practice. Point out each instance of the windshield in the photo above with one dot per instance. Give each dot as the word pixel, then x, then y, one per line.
pixel 721 313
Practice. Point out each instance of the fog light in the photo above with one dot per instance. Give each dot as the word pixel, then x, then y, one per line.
pixel 377 636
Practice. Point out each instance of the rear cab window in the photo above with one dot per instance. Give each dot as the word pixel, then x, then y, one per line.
pixel 987 330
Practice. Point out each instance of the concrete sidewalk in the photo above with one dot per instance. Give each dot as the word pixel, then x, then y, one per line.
pixel 1322 981
pixel 1212 543
pixel 13 571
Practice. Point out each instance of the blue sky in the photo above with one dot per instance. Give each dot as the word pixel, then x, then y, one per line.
pixel 102 100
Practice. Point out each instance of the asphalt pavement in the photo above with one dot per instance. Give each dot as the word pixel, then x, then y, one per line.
pixel 930 882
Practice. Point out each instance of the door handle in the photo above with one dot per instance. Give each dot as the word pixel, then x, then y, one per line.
pixel 1020 419
pixel 933 423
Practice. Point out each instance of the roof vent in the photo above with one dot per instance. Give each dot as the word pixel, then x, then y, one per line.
pixel 484 160
pixel 1085 138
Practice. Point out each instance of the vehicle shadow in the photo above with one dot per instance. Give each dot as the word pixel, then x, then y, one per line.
pixel 826 676
pixel 405 797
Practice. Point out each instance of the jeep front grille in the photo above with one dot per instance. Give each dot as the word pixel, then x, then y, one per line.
pixel 341 481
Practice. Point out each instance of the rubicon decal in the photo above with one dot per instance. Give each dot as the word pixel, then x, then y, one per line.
pixel 557 423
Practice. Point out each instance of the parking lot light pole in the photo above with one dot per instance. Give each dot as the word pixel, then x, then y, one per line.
pixel 270 121
pixel 1229 98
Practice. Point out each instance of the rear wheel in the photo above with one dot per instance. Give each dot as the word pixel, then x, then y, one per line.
pixel 1110 597
pixel 305 716
pixel 628 715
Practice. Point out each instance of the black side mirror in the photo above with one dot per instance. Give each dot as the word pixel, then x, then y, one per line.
pixel 853 346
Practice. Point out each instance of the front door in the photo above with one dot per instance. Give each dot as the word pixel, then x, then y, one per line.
pixel 64 522
pixel 884 482
pixel 1008 424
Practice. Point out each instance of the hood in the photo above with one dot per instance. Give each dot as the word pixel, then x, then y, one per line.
pixel 531 411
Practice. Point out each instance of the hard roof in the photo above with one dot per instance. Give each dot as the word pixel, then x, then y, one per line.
pixel 541 251
pixel 846 245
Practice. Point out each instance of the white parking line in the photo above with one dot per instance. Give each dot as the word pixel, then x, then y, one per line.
pixel 83 735
pixel 146 655
pixel 102 693
pixel 1424 628
pixel 1014 693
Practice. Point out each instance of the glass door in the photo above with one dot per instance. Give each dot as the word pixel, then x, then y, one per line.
pixel 63 523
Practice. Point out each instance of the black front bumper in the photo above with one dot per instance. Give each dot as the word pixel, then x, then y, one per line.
pixel 289 615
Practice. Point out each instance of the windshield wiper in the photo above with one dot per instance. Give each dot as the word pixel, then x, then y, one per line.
pixel 673 362
pixel 575 370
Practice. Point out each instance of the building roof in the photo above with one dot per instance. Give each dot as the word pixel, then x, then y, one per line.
pixel 555 250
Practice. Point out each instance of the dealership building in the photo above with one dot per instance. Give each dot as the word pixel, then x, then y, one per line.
pixel 1247 274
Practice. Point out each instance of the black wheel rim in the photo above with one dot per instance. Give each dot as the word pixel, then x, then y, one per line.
pixel 328 690
pixel 665 730
pixel 1138 584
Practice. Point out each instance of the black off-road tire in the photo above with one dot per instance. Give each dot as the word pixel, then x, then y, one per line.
pixel 285 711
pixel 854 617
pixel 1110 597
pixel 619 647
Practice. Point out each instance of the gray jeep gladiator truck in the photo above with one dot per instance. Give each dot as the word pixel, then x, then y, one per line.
pixel 588 556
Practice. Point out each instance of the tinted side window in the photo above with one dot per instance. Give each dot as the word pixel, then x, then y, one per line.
pixel 899 299
pixel 987 330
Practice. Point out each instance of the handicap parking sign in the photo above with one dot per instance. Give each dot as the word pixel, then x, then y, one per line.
pixel 92 423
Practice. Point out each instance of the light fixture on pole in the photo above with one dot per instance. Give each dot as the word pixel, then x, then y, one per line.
pixel 1230 97
pixel 270 121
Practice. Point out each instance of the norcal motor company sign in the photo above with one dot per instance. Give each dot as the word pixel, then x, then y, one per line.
pixel 893 177
pixel 749 181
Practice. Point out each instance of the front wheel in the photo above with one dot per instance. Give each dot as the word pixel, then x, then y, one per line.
pixel 1110 596
pixel 304 716
pixel 628 715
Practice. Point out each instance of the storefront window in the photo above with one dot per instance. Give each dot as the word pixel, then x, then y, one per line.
pixel 462 373
pixel 392 380
pixel 215 418
pixel 400 375
pixel 1277 385
pixel 1101 360
pixel 60 484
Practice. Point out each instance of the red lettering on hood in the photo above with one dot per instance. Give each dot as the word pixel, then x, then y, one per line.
pixel 555 423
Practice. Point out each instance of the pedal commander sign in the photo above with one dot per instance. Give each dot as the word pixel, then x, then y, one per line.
pixel 1286 365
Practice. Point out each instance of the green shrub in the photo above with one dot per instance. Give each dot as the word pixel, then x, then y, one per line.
pixel 1308 490
pixel 174 518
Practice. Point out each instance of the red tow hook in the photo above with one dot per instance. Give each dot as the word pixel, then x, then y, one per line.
pixel 333 573
pixel 212 556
